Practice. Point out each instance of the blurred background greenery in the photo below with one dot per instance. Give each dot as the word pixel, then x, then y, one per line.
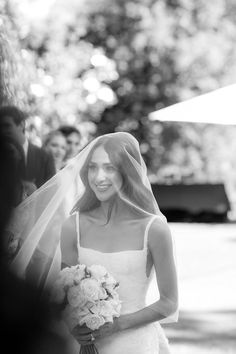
pixel 104 65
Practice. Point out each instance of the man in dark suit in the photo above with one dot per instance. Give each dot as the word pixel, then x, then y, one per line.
pixel 39 164
pixel 26 316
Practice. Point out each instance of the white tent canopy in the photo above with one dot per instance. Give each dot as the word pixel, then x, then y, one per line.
pixel 216 107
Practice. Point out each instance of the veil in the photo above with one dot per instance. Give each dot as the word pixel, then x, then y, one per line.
pixel 38 220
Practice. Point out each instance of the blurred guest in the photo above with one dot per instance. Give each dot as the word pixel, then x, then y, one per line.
pixel 32 134
pixel 11 188
pixel 55 142
pixel 73 139
pixel 39 164
pixel 26 316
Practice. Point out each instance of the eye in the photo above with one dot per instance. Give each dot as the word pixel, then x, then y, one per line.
pixel 91 167
pixel 110 168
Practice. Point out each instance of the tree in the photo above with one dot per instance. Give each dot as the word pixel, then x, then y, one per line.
pixel 106 65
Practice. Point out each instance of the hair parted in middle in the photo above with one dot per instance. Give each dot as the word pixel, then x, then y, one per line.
pixel 123 150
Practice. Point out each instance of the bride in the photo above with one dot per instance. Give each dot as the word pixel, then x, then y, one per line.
pixel 115 222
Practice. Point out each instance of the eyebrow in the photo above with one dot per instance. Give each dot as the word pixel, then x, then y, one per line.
pixel 104 164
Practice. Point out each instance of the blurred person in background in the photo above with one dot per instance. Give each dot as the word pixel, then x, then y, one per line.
pixel 55 142
pixel 73 139
pixel 14 160
pixel 32 134
pixel 26 316
pixel 39 164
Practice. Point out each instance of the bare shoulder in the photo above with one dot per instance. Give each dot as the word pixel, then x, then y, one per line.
pixel 159 234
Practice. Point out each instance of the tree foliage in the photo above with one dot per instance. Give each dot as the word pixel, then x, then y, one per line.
pixel 106 65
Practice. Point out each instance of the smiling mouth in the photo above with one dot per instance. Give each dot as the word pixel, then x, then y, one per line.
pixel 103 188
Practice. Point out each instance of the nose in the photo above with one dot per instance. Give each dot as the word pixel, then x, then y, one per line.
pixel 101 175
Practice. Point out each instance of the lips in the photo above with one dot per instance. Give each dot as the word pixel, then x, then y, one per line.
pixel 103 188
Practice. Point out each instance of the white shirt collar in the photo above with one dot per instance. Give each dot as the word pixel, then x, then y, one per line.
pixel 25 148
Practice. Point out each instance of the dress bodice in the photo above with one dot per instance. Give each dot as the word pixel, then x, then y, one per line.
pixel 127 267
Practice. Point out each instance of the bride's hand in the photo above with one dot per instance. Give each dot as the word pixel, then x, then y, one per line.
pixel 107 329
pixel 83 335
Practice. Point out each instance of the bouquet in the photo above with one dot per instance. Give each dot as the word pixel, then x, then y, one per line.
pixel 88 296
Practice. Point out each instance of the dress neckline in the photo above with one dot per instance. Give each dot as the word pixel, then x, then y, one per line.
pixel 107 253
pixel 115 252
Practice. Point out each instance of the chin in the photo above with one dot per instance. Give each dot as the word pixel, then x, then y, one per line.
pixel 105 198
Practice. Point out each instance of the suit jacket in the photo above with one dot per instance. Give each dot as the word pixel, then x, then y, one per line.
pixel 40 165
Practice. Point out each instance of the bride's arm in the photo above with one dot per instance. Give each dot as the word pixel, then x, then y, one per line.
pixel 69 257
pixel 69 252
pixel 161 248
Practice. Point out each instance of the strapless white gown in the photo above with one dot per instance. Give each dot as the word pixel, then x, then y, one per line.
pixel 129 269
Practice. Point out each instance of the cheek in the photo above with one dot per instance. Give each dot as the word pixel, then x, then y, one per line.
pixel 90 177
pixel 55 149
pixel 118 180
pixel 51 148
pixel 75 146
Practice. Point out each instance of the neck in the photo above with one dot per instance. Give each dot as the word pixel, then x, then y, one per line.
pixel 114 207
pixel 58 165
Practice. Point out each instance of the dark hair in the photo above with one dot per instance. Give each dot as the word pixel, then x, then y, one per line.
pixel 117 147
pixel 11 177
pixel 14 112
pixel 66 130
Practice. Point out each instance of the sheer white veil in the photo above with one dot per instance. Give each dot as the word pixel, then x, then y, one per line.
pixel 42 214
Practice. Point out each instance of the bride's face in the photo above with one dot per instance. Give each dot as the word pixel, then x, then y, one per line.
pixel 103 177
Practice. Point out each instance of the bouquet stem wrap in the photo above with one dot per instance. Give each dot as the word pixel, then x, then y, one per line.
pixel 88 349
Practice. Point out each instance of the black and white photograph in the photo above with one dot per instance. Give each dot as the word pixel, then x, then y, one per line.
pixel 118 176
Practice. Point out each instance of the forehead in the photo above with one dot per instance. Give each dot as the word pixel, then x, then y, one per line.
pixel 59 139
pixel 73 137
pixel 100 156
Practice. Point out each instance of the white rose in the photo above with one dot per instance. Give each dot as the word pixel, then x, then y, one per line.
pixel 93 321
pixel 109 288
pixel 79 274
pixel 68 270
pixel 80 313
pixel 116 307
pixel 65 271
pixel 102 294
pixel 69 280
pixel 75 297
pixel 98 272
pixel 110 284
pixel 90 288
pixel 66 278
pixel 102 308
pixel 95 309
pixel 108 318
pixel 114 295
pixel 70 317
